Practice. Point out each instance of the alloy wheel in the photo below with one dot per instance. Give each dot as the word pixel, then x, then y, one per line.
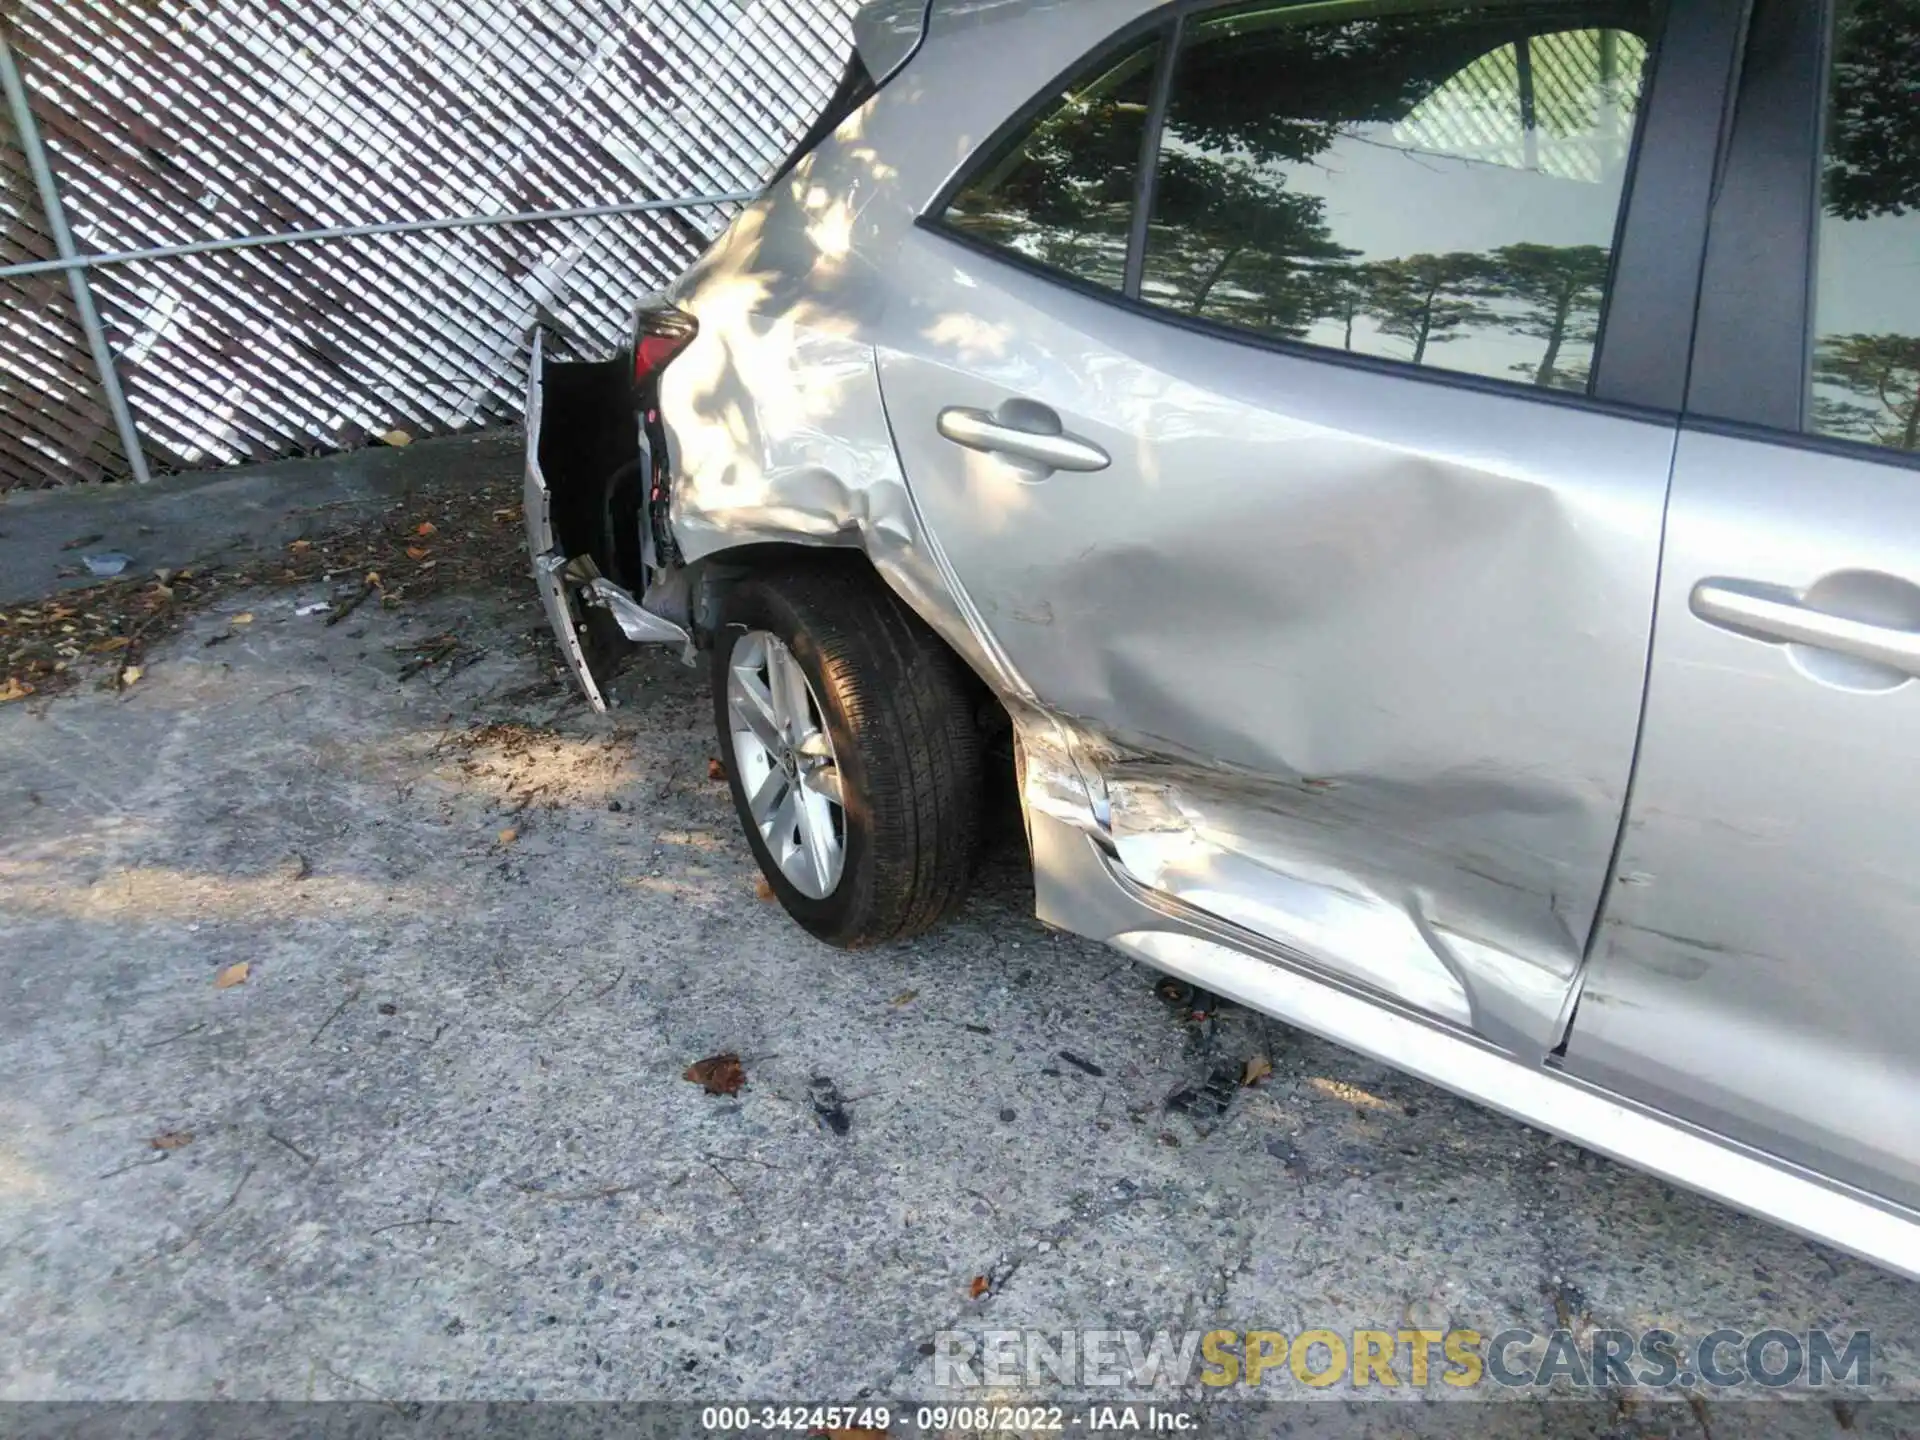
pixel 786 763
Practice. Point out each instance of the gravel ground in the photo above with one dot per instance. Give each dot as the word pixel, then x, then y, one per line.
pixel 440 1140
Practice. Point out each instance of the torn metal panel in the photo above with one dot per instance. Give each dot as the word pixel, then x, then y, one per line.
pixel 543 543
pixel 777 435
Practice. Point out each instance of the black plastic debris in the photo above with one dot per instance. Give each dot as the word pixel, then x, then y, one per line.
pixel 829 1105
pixel 1208 1100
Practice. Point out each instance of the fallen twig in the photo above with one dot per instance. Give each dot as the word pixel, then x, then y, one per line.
pixel 193 1235
pixel 729 1182
pixel 403 1224
pixel 542 1019
pixel 573 1196
pixel 282 1140
pixel 334 1014
pixel 181 1035
pixel 353 602
pixel 445 645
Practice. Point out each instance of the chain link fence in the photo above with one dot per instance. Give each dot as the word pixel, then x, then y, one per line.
pixel 175 125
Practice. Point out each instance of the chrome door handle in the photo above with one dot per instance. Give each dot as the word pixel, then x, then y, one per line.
pixel 1743 605
pixel 978 430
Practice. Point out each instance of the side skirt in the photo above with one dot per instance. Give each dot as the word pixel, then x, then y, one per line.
pixel 1079 888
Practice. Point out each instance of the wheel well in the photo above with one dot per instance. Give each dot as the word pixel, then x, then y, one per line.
pixel 714 574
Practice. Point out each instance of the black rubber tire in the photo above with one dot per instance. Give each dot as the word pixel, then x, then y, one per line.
pixel 902 712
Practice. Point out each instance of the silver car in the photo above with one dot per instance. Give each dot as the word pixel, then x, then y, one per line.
pixel 1426 494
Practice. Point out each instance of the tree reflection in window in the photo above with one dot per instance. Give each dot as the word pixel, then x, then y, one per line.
pixel 1063 194
pixel 1866 370
pixel 1439 187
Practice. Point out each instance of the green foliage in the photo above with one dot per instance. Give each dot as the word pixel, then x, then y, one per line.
pixel 1883 371
pixel 1873 160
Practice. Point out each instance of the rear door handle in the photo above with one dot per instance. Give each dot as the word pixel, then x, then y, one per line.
pixel 1050 447
pixel 1757 610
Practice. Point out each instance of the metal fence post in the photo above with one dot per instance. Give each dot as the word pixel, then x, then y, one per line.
pixel 62 237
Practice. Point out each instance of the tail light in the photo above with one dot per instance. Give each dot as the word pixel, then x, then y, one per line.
pixel 660 333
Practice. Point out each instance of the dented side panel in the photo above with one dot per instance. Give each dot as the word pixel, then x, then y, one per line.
pixel 1351 660
pixel 1361 657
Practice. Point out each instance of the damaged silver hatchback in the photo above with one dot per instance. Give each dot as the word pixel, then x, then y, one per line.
pixel 1425 491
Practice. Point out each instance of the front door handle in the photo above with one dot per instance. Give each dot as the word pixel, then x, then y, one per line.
pixel 1037 436
pixel 1758 610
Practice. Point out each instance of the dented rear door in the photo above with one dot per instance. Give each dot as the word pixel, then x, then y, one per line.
pixel 1356 645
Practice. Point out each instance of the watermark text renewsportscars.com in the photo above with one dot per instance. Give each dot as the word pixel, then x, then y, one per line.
pixel 1402 1360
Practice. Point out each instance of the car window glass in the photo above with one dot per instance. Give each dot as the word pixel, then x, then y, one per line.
pixel 1440 187
pixel 1063 193
pixel 1866 352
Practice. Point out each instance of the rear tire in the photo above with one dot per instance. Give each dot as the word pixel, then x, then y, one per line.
pixel 900 712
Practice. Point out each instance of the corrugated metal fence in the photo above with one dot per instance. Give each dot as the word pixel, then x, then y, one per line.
pixel 172 123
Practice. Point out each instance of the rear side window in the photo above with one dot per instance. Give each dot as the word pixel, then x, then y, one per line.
pixel 1062 193
pixel 1440 187
pixel 1866 352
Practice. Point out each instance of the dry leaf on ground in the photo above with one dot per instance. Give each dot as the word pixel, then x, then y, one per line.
pixel 14 689
pixel 508 835
pixel 425 527
pixel 762 888
pixel 130 676
pixel 1258 1069
pixel 414 552
pixel 171 1139
pixel 233 975
pixel 717 1074
pixel 906 997
pixel 715 770
pixel 979 1287
pixel 45 644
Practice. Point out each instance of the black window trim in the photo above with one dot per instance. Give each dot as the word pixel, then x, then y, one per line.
pixel 1750 351
pixel 1684 118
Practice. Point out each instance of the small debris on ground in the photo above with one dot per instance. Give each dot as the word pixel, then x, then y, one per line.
pixel 233 975
pixel 171 1139
pixel 980 1286
pixel 49 645
pixel 762 888
pixel 829 1105
pixel 107 564
pixel 717 1074
pixel 715 770
pixel 1086 1067
pixel 1208 1100
pixel 1258 1068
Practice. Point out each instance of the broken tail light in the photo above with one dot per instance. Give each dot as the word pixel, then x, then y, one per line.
pixel 661 332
